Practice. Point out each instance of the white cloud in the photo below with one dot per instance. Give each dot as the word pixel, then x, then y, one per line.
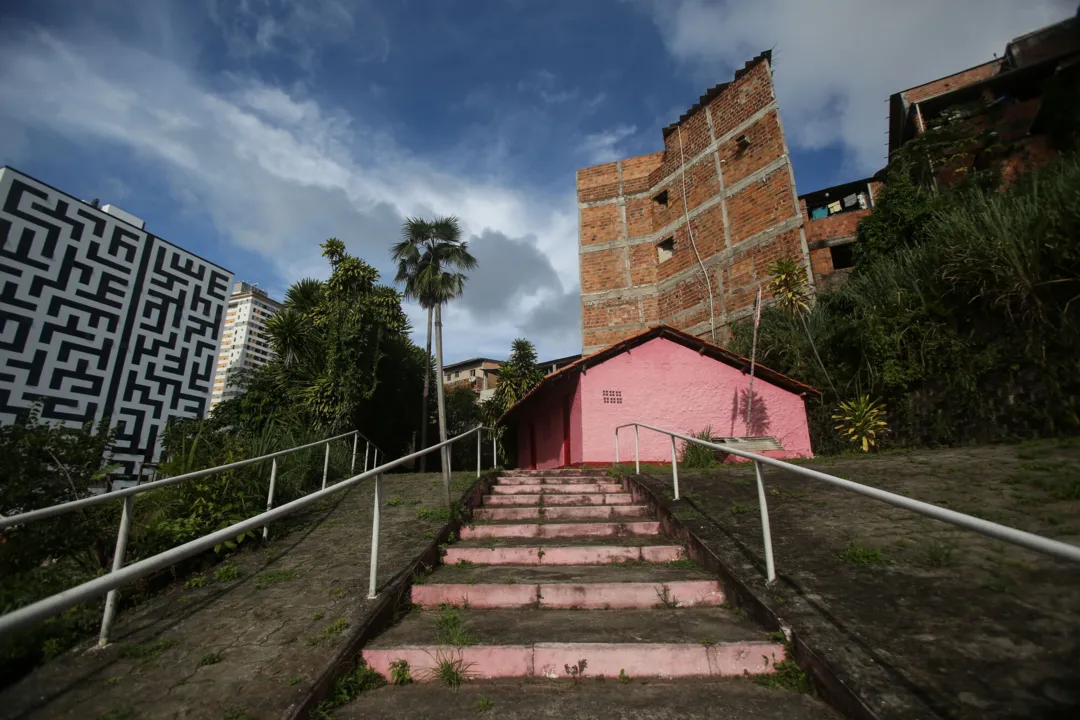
pixel 277 171
pixel 836 62
pixel 602 147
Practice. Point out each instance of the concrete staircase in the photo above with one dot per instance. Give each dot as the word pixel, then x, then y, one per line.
pixel 561 567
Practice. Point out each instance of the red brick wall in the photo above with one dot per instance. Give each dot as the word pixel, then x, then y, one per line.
pixel 674 291
pixel 952 82
pixel 834 226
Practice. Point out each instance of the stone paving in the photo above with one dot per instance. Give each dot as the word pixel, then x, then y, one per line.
pixel 249 647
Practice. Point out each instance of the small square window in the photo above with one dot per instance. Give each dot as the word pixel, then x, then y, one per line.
pixel 843 256
pixel 665 249
pixel 661 198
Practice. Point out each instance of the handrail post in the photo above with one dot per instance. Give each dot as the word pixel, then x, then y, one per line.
pixel 325 465
pixel 270 497
pixel 616 446
pixel 674 467
pixel 494 450
pixel 637 453
pixel 373 576
pixel 766 533
pixel 478 439
pixel 352 465
pixel 112 599
pixel 367 449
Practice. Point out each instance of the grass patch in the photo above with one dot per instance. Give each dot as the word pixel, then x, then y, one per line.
pixel 348 688
pixel 145 651
pixel 226 573
pixel 450 671
pixel 209 659
pixel 939 553
pixel 273 577
pixel 196 581
pixel 318 615
pixel 450 628
pixel 788 676
pixel 114 680
pixel 861 555
pixel 294 680
pixel 433 514
pixel 683 563
pixel 483 704
pixel 740 509
pixel 395 501
pixel 236 713
pixel 696 456
pixel 329 633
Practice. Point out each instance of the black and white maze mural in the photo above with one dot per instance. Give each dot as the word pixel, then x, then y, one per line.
pixel 101 319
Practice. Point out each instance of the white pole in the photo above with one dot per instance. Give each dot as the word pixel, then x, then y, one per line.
pixel 674 467
pixel 352 465
pixel 753 361
pixel 616 446
pixel 478 439
pixel 270 497
pixel 325 465
pixel 637 453
pixel 113 597
pixel 770 568
pixel 494 450
pixel 367 449
pixel 372 578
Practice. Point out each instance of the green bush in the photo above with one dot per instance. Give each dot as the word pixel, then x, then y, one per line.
pixel 697 456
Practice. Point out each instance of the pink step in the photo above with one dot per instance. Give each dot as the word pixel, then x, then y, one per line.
pixel 589 512
pixel 563 480
pixel 556 489
pixel 562 530
pixel 618 498
pixel 587 596
pixel 573 555
pixel 637 660
pixel 601 472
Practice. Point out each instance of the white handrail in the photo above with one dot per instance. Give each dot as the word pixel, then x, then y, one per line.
pixel 66 507
pixel 121 576
pixel 1031 541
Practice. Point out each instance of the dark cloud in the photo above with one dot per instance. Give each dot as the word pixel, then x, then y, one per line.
pixel 556 324
pixel 508 270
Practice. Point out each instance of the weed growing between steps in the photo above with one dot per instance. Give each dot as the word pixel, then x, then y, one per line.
pixel 450 629
pixel 450 671
pixel 348 688
pixel 399 672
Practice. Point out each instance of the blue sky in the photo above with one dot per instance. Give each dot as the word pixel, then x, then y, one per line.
pixel 250 130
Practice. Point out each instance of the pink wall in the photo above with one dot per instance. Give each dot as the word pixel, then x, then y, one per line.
pixel 545 414
pixel 664 384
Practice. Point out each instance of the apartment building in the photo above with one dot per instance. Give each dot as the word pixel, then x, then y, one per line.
pixel 480 374
pixel 245 344
pixel 101 319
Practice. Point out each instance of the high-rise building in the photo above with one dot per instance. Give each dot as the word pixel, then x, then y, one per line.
pixel 101 319
pixel 245 344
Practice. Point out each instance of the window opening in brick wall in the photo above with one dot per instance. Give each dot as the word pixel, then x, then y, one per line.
pixel 665 249
pixel 612 397
pixel 661 198
pixel 843 256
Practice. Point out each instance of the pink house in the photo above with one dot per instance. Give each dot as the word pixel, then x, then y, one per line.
pixel 662 377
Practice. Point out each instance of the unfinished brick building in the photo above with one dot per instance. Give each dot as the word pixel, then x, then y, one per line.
pixel 724 173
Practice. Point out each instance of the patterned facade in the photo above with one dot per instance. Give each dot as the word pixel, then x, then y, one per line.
pixel 101 319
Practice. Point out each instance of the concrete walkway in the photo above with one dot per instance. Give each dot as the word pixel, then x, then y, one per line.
pixel 251 646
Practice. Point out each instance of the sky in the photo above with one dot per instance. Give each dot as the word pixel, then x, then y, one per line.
pixel 249 131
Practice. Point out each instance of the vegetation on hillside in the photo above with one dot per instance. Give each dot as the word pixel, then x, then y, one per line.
pixel 960 316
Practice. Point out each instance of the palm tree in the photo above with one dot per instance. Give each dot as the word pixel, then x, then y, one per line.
pixel 431 257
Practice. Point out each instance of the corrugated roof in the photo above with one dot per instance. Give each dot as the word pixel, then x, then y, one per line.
pixel 716 90
pixel 678 336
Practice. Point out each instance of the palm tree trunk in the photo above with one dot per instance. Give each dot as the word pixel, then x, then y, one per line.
pixel 427 390
pixel 441 395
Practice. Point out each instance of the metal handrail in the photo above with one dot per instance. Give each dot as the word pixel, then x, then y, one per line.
pixel 121 576
pixel 65 507
pixel 1031 541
